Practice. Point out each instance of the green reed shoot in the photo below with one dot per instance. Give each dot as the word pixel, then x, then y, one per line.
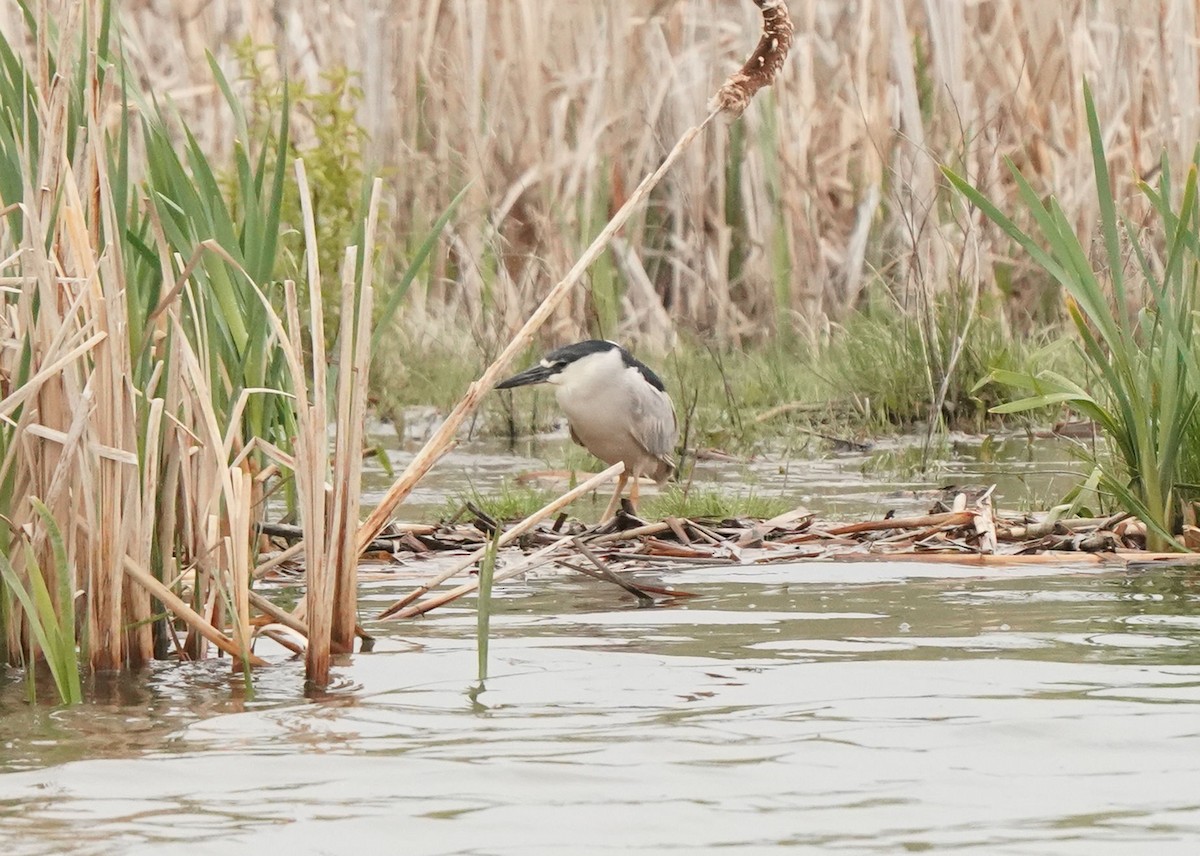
pixel 483 608
pixel 678 501
pixel 50 617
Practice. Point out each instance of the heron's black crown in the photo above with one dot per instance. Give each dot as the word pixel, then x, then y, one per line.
pixel 567 354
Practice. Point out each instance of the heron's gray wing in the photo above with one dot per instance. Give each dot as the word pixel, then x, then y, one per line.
pixel 654 427
pixel 574 436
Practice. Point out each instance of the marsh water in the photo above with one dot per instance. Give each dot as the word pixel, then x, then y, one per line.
pixel 814 707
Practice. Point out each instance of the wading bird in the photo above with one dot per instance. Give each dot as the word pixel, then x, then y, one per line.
pixel 616 407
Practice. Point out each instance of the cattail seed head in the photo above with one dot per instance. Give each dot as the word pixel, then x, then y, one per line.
pixel 762 66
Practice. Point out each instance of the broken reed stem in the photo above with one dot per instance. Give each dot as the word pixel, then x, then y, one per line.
pixel 637 532
pixel 531 561
pixel 277 635
pixel 278 559
pixel 948 518
pixel 143 551
pixel 112 486
pixel 310 495
pixel 312 450
pixel 281 615
pixel 346 421
pixel 1057 558
pixel 604 572
pixel 508 537
pixel 353 374
pixel 237 546
pixel 190 617
pixel 985 523
pixel 52 370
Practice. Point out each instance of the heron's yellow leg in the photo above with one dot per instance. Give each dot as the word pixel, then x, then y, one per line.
pixel 616 498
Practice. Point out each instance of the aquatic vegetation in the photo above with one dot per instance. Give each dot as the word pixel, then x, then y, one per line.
pixel 1134 312
pixel 50 615
pixel 483 605
pixel 512 501
pixel 147 389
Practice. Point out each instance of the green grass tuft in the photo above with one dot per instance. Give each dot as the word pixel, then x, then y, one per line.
pixel 510 503
pixel 675 501
pixel 50 615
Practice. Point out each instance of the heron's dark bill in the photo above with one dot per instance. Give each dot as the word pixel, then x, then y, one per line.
pixel 536 374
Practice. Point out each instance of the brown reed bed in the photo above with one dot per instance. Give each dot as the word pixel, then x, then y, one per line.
pixel 828 187
pixel 147 368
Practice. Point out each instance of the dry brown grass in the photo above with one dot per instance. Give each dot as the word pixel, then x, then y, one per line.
pixel 78 431
pixel 552 110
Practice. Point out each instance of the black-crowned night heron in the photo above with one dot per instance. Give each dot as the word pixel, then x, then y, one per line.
pixel 617 408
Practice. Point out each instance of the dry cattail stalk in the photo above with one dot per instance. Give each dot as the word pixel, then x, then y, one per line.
pixel 184 612
pixel 760 69
pixel 354 367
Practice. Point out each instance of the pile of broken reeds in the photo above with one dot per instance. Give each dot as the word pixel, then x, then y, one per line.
pixel 966 531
